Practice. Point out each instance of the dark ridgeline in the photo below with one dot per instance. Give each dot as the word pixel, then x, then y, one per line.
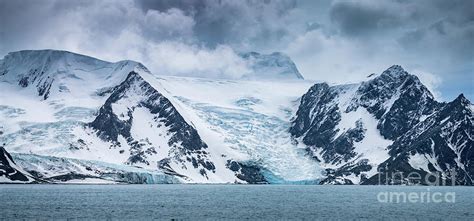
pixel 9 169
pixel 42 71
pixel 184 138
pixel 406 113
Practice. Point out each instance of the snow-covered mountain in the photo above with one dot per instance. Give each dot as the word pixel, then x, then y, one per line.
pixel 47 99
pixel 51 73
pixel 66 117
pixel 139 121
pixel 442 143
pixel 248 122
pixel 118 122
pixel 270 66
pixel 388 123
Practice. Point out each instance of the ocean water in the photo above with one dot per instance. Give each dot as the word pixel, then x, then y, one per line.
pixel 218 202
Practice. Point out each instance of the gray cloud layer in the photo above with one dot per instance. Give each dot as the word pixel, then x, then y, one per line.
pixel 336 41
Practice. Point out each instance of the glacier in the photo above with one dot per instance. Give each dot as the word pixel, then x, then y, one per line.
pixel 252 119
pixel 66 117
pixel 54 169
pixel 54 95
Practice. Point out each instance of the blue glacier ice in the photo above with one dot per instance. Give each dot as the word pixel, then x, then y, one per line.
pixel 263 138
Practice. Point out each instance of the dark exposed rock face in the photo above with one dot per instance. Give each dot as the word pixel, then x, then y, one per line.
pixel 39 80
pixel 356 167
pixel 136 93
pixel 321 121
pixel 69 176
pixel 397 99
pixel 405 112
pixel 248 173
pixel 8 168
pixel 316 125
pixel 110 126
pixel 444 140
pixel 36 71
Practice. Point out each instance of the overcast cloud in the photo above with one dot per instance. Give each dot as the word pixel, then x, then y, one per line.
pixel 335 41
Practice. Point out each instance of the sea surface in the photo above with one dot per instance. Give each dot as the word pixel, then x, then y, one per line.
pixel 223 202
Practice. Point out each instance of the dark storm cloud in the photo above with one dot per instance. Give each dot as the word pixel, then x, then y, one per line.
pixel 12 24
pixel 231 22
pixel 456 38
pixel 359 18
pixel 432 26
pixel 186 5
pixel 370 18
pixel 454 31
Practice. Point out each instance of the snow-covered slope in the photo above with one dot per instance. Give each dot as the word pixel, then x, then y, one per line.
pixel 61 74
pixel 47 99
pixel 70 170
pixel 58 103
pixel 442 144
pixel 10 172
pixel 354 129
pixel 66 117
pixel 145 128
pixel 79 85
pixel 251 120
pixel 61 105
pixel 270 66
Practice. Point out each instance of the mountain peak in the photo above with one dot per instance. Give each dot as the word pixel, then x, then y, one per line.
pixel 271 66
pixel 47 57
pixel 43 52
pixel 54 71
pixel 395 70
pixel 461 99
pixel 393 79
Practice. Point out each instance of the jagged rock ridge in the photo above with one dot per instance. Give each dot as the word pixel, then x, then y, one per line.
pixel 135 93
pixel 355 130
pixel 135 124
pixel 10 172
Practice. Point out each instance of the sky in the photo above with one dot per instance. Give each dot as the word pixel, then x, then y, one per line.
pixel 329 40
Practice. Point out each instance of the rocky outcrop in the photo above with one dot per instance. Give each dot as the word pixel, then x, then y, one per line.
pixel 389 123
pixel 116 119
pixel 10 172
